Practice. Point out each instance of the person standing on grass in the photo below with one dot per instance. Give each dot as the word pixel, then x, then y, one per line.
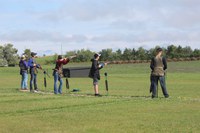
pixel 33 71
pixel 94 72
pixel 158 67
pixel 24 73
pixel 58 73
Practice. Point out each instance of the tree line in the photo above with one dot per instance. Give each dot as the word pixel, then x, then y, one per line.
pixel 128 54
pixel 9 56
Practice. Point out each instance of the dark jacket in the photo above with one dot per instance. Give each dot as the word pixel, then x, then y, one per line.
pixel 33 69
pixel 94 71
pixel 23 66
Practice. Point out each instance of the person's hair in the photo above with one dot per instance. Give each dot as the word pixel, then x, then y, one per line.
pixel 59 57
pixel 96 55
pixel 158 50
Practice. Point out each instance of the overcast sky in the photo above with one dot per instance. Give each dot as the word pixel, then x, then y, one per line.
pixel 44 25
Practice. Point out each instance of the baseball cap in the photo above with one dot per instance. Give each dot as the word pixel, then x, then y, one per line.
pixel 159 49
pixel 96 55
pixel 23 56
pixel 33 54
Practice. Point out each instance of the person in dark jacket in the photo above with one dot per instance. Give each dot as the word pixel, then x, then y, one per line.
pixel 24 73
pixel 94 72
pixel 158 67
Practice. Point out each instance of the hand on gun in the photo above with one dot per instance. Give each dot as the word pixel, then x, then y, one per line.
pixel 73 56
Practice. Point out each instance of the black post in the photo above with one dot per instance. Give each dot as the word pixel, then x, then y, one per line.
pixel 45 80
pixel 67 84
pixel 106 81
pixel 157 89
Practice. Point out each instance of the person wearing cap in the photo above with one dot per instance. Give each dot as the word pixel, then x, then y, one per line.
pixel 94 72
pixel 33 71
pixel 24 73
pixel 58 73
pixel 158 66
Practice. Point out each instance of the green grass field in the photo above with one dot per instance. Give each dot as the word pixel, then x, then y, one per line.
pixel 127 109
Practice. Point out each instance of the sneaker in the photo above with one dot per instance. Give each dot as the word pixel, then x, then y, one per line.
pixel 36 90
pixel 25 89
pixel 166 96
pixel 97 95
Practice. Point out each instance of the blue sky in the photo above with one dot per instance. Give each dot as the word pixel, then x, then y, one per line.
pixel 44 25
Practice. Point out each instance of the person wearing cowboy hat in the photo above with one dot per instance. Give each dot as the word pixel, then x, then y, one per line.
pixel 23 72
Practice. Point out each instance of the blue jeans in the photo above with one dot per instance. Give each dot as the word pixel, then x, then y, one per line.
pixel 33 81
pixel 24 81
pixel 154 86
pixel 57 78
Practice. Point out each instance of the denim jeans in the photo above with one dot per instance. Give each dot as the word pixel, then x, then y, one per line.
pixel 155 80
pixel 24 80
pixel 33 81
pixel 57 78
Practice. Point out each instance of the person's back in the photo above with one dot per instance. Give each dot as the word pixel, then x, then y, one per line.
pixel 158 66
pixel 94 72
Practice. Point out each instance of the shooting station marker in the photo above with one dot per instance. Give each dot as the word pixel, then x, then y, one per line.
pixel 79 72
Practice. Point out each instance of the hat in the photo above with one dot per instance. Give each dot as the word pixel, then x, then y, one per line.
pixel 96 55
pixel 23 57
pixel 158 50
pixel 33 54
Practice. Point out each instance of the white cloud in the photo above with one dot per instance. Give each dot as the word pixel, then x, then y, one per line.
pixel 105 23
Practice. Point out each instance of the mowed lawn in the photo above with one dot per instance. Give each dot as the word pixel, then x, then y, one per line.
pixel 128 107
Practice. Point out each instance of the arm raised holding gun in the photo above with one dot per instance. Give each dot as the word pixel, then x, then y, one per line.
pixel 94 72
pixel 58 72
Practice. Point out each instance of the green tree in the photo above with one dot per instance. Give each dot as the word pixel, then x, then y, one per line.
pixel 106 55
pixel 27 52
pixel 196 53
pixel 171 51
pixel 117 55
pixel 127 54
pixel 187 51
pixel 84 55
pixel 10 54
pixel 141 53
pixel 3 62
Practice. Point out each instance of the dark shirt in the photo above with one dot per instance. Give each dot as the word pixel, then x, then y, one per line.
pixel 31 63
pixel 94 71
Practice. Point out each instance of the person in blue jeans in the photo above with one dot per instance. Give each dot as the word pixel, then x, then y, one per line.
pixel 58 73
pixel 158 67
pixel 24 73
pixel 33 71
